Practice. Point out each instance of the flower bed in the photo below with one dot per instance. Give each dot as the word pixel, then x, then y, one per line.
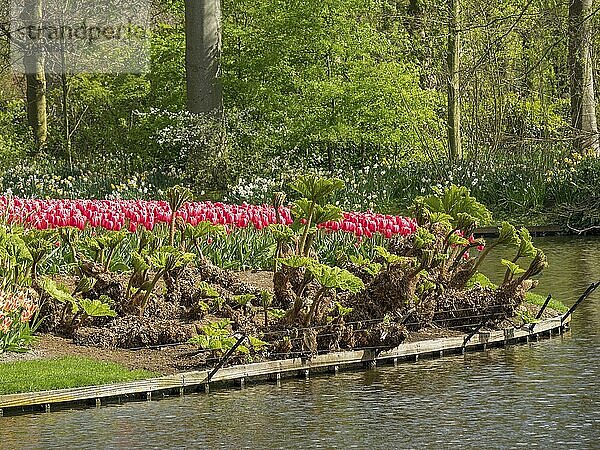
pixel 134 273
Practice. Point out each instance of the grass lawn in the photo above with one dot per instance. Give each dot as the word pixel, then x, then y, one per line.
pixel 65 372
pixel 536 299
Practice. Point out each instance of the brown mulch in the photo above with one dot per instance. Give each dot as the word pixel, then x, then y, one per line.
pixel 262 279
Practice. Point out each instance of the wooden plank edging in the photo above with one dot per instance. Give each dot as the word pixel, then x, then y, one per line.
pixel 193 379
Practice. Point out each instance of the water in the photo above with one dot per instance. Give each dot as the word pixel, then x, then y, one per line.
pixel 545 394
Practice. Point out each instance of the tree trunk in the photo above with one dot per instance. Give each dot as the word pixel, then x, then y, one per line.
pixel 453 60
pixel 35 76
pixel 422 44
pixel 581 72
pixel 202 56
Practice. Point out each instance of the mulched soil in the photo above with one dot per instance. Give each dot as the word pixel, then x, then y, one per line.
pixel 261 279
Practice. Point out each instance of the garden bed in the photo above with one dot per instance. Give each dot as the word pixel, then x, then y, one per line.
pixel 154 285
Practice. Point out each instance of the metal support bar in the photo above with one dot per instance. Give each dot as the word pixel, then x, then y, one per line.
pixel 538 316
pixel 226 356
pixel 473 333
pixel 585 295
pixel 540 312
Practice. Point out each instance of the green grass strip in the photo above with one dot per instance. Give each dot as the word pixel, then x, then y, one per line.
pixel 61 373
pixel 537 299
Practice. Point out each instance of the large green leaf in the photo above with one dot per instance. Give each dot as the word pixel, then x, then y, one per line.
pixel 59 292
pixel 296 261
pixel 526 248
pixel 203 229
pixel 336 278
pixel 514 268
pixel 316 188
pixel 96 308
pixel 456 201
pixel 507 235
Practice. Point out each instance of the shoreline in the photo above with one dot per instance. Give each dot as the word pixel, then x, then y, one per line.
pixel 269 371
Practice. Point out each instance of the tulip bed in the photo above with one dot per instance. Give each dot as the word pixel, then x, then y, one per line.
pixel 141 273
pixel 115 215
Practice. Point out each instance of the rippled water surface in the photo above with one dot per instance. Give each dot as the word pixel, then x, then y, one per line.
pixel 545 394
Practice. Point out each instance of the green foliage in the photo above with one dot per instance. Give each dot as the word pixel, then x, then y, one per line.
pixel 96 308
pixel 341 310
pixel 390 258
pixel 315 188
pixel 59 292
pixel 15 259
pixel 457 203
pixel 101 248
pixel 195 236
pixel 535 299
pixel 207 291
pixel 218 337
pixel 80 307
pixel 243 299
pixel 177 196
pixel 480 279
pixel 311 210
pixel 514 269
pixel 526 316
pixel 370 267
pixel 336 278
pixel 507 235
pixel 526 248
pixel 423 238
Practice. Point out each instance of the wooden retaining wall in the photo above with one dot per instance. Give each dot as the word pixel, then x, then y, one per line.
pixel 270 370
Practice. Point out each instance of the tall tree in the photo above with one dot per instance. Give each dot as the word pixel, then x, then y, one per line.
pixel 33 61
pixel 453 61
pixel 583 104
pixel 203 55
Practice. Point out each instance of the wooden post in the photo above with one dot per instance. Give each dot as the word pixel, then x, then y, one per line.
pixel 98 403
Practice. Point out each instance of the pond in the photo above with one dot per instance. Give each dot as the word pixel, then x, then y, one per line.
pixel 544 394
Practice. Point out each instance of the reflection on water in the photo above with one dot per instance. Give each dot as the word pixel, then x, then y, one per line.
pixel 546 394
